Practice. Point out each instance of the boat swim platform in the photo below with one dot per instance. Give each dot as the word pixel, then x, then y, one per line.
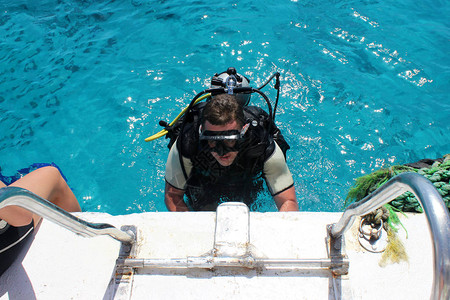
pixel 58 264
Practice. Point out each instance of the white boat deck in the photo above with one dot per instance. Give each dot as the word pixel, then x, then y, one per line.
pixel 61 265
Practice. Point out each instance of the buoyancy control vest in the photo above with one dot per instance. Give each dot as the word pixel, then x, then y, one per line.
pixel 209 183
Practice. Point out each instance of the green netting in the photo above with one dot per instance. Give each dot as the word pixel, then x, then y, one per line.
pixel 438 173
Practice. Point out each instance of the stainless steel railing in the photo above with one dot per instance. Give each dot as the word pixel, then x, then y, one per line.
pixel 29 201
pixel 436 213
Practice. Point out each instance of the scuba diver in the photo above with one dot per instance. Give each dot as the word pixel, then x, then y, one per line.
pixel 223 150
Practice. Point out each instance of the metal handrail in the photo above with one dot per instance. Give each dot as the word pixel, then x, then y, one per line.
pixel 32 202
pixel 436 213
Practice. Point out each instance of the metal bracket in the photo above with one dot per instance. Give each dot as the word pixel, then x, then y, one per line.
pixel 121 284
pixel 232 234
pixel 336 253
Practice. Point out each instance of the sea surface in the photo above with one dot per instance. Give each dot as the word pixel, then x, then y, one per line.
pixel 365 85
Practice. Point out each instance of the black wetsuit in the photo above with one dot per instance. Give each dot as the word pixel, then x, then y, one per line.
pixel 208 183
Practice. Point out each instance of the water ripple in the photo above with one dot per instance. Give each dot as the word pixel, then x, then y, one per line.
pixel 83 83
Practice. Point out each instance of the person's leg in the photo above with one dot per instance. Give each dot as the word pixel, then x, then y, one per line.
pixel 15 215
pixel 47 183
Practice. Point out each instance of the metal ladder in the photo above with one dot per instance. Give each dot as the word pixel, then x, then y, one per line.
pixel 26 199
pixel 436 213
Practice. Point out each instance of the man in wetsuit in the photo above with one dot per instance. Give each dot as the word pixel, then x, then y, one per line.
pixel 224 157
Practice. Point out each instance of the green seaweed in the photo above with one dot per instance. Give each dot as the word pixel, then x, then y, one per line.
pixel 395 250
pixel 366 184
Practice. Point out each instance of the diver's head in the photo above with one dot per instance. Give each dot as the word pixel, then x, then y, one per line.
pixel 222 130
pixel 222 109
pixel 230 80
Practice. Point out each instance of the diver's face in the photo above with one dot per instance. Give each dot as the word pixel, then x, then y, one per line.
pixel 228 158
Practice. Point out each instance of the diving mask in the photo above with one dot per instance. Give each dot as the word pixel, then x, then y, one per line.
pixel 223 142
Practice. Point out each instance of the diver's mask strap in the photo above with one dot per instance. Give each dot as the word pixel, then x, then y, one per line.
pixel 222 135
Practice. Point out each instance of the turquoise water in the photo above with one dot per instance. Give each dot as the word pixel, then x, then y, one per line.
pixel 365 85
